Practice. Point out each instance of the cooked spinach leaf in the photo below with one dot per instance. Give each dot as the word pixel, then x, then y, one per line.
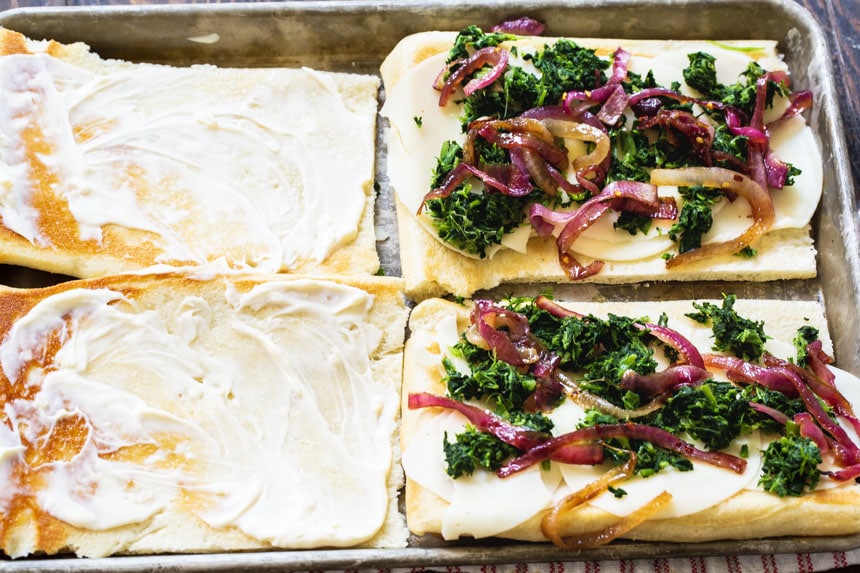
pixel 473 449
pixel 712 413
pixel 696 217
pixel 790 466
pixel 741 336
pixel 805 335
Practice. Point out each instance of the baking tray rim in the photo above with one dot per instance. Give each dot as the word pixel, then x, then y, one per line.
pixel 460 553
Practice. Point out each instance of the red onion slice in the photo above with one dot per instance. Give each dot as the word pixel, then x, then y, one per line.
pixel 524 26
pixel 758 198
pixel 519 437
pixel 651 434
pixel 494 56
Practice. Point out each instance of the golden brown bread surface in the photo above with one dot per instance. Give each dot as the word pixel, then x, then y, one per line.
pixel 432 269
pixel 111 166
pixel 747 513
pixel 181 413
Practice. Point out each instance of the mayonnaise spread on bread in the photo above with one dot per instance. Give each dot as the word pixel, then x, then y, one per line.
pixel 418 127
pixel 268 421
pixel 484 505
pixel 268 168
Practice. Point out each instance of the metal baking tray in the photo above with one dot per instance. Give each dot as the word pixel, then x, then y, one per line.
pixel 355 35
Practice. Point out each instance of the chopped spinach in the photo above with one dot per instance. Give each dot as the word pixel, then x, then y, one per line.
pixel 696 216
pixel 701 75
pixel 650 459
pixel 790 466
pixel 805 335
pixel 490 378
pixel 712 413
pixel 565 66
pixel 473 222
pixel 450 155
pixel 743 337
pixel 472 449
pixel 474 38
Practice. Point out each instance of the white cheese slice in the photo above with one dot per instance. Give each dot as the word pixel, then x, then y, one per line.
pixel 474 508
pixel 705 486
pixel 413 151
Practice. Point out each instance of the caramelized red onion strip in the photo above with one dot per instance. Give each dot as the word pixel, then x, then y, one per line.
pixel 463 170
pixel 541 173
pixel 611 95
pixel 513 344
pixel 818 362
pixel 493 56
pixel 532 133
pixel 576 222
pixel 739 370
pixel 625 524
pixel 582 132
pixel 676 340
pixel 588 400
pixel 809 429
pixel 845 474
pixel 657 383
pixel 827 392
pixel 804 420
pixel 793 381
pixel 524 26
pixel 758 198
pixel 777 415
pixel 545 303
pixel 551 523
pixel 651 434
pixel 519 437
pixel 847 452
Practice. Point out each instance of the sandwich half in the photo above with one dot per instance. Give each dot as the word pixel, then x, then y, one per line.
pixel 108 166
pixel 516 158
pixel 579 423
pixel 144 414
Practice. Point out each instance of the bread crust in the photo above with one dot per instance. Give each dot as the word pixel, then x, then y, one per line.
pixel 748 514
pixel 28 528
pixel 432 269
pixel 61 246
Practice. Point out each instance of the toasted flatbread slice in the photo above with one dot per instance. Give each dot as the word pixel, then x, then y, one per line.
pixel 108 166
pixel 417 127
pixel 174 413
pixel 708 503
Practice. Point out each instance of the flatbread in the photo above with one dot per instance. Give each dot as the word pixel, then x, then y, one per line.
pixel 482 507
pixel 431 268
pixel 109 166
pixel 175 413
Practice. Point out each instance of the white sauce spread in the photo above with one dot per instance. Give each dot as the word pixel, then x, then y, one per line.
pixel 291 448
pixel 267 167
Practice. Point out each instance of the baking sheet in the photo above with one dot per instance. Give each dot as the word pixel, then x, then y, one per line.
pixel 355 36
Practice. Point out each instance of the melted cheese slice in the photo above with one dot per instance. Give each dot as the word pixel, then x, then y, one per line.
pixel 474 501
pixel 413 152
pixel 271 423
pixel 267 168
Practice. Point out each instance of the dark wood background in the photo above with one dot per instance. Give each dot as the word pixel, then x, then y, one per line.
pixel 839 18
